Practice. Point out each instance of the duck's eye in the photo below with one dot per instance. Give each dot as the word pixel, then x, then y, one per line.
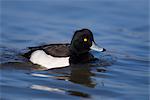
pixel 85 40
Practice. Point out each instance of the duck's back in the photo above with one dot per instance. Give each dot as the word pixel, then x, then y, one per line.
pixel 55 50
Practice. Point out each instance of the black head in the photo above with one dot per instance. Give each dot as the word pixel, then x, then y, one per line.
pixel 82 41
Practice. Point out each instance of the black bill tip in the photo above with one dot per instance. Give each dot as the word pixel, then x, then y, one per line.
pixel 104 49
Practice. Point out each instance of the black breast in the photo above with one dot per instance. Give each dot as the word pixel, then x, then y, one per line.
pixel 83 58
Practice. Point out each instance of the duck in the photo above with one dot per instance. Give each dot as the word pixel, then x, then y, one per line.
pixel 64 54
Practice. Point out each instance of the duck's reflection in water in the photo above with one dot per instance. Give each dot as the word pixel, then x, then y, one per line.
pixel 81 76
pixel 78 74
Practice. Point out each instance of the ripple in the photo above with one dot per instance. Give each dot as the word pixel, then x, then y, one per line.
pixel 45 88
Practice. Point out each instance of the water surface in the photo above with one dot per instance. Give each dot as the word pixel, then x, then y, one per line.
pixel 120 26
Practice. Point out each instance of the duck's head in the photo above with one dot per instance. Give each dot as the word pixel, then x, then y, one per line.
pixel 83 41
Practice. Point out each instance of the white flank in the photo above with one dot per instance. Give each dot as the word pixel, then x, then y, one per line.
pixel 41 58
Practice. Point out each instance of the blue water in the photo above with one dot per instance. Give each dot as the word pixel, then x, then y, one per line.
pixel 120 26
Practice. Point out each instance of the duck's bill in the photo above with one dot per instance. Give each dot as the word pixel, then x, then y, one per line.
pixel 97 48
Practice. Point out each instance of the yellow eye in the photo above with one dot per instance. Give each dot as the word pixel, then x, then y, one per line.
pixel 85 39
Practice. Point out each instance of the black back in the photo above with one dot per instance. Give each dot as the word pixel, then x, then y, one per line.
pixel 56 50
